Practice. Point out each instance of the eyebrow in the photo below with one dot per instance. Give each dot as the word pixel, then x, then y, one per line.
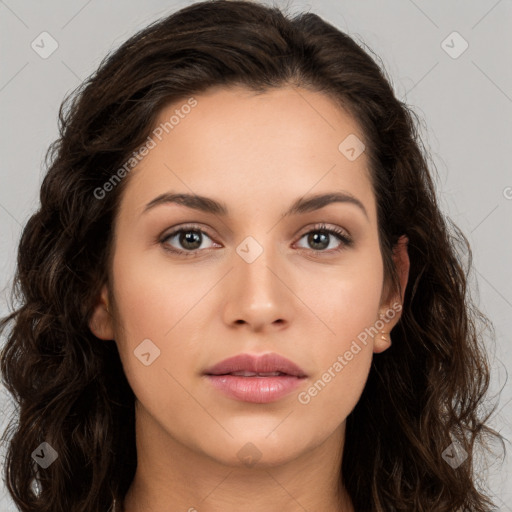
pixel 300 206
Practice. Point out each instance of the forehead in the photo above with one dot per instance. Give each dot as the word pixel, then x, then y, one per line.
pixel 253 150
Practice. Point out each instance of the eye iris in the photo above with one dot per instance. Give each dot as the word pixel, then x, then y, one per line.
pixel 190 237
pixel 314 237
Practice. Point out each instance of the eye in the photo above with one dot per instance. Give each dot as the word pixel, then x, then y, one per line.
pixel 320 237
pixel 189 237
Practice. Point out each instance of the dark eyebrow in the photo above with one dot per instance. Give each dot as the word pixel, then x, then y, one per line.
pixel 300 206
pixel 317 201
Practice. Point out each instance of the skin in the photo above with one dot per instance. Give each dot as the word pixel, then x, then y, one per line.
pixel 257 154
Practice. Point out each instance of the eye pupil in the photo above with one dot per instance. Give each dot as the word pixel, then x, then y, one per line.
pixel 190 237
pixel 314 238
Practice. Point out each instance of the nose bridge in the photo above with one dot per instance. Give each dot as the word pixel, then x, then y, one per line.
pixel 258 296
pixel 256 258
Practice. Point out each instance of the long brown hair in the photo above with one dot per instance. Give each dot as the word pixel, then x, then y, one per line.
pixel 422 394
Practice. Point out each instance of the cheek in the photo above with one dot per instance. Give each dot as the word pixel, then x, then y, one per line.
pixel 348 307
pixel 155 310
pixel 343 357
pixel 347 300
pixel 151 298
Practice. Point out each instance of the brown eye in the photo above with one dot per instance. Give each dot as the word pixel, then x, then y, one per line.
pixel 186 240
pixel 190 240
pixel 319 239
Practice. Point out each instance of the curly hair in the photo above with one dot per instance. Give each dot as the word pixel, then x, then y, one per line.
pixel 424 393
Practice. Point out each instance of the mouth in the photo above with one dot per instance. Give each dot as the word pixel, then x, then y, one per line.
pixel 248 365
pixel 254 379
pixel 245 373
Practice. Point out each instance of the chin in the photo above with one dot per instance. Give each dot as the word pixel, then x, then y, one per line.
pixel 256 451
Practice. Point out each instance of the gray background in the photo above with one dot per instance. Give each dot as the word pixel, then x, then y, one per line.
pixel 465 103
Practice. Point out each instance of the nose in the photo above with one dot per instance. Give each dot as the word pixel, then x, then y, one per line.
pixel 259 294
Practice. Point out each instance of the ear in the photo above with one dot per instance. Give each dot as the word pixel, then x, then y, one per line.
pixel 101 323
pixel 392 302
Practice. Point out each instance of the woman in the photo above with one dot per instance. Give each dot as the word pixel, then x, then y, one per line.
pixel 319 353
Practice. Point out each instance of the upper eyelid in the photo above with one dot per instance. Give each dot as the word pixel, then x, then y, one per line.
pixel 199 227
pixel 185 227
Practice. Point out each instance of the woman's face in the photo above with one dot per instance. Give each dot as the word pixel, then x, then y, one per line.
pixel 258 278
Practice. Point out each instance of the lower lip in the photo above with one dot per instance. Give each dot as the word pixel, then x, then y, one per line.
pixel 259 390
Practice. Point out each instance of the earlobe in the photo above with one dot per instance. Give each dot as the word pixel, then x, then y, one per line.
pixel 100 322
pixel 381 342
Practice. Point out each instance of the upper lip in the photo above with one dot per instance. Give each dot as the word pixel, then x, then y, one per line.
pixel 265 363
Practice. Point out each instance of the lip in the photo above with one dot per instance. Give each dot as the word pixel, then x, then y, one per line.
pixel 256 389
pixel 266 363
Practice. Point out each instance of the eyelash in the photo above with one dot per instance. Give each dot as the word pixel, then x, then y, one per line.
pixel 346 241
